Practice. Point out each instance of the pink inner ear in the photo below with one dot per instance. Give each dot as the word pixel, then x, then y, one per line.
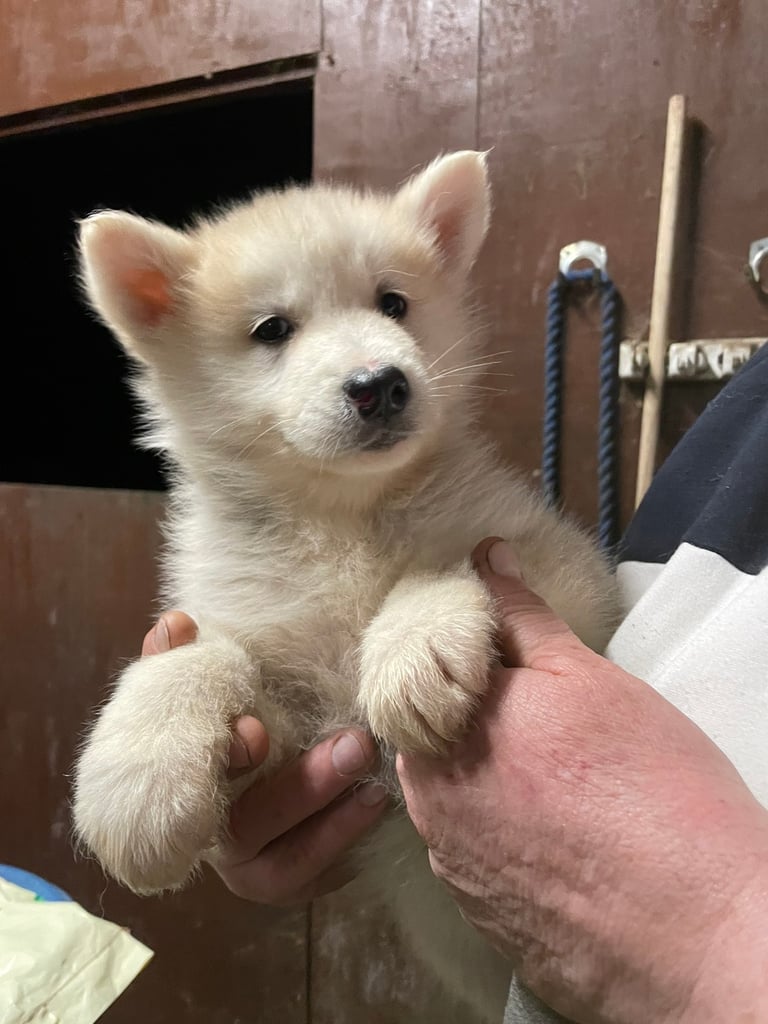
pixel 149 289
pixel 449 223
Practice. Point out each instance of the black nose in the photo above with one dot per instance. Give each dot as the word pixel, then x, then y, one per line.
pixel 379 393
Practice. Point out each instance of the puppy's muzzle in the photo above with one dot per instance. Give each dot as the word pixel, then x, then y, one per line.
pixel 378 395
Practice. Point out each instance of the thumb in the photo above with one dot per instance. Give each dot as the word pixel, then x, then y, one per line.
pixel 527 628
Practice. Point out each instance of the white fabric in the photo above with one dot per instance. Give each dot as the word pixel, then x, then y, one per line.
pixel 699 635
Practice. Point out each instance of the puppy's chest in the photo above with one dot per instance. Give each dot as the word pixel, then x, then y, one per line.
pixel 300 597
pixel 299 604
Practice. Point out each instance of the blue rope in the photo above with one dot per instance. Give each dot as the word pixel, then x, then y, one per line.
pixel 553 386
pixel 608 497
pixel 608 417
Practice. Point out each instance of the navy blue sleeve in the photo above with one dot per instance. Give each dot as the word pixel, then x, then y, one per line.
pixel 712 491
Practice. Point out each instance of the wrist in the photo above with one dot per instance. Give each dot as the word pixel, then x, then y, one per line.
pixel 732 982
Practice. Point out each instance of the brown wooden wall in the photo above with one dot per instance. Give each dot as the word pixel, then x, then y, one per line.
pixel 54 53
pixel 571 95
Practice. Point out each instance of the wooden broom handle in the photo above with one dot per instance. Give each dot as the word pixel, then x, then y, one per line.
pixel 661 302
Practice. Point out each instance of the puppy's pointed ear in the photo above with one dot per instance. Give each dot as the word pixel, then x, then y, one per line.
pixel 452 199
pixel 131 269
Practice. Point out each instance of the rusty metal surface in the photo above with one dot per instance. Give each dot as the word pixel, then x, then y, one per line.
pixel 77 588
pixel 60 51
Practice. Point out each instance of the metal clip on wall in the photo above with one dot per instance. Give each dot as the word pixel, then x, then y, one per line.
pixel 757 253
pixel 705 358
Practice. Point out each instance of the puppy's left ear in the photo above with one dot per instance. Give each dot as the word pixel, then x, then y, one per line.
pixel 132 270
pixel 452 199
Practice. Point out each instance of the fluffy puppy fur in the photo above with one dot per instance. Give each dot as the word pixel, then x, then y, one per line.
pixel 307 363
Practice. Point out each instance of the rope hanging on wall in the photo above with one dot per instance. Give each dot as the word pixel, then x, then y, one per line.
pixel 608 419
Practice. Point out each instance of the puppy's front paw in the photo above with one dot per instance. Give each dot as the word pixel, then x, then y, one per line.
pixel 150 797
pixel 425 661
pixel 147 820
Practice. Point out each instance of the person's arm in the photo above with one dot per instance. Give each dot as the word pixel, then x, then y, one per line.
pixel 289 832
pixel 596 836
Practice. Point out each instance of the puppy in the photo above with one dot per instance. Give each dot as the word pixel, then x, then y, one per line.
pixel 308 365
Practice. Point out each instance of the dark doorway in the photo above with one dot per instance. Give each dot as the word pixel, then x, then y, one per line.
pixel 66 414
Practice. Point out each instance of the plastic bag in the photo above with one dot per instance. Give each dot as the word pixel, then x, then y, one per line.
pixel 58 963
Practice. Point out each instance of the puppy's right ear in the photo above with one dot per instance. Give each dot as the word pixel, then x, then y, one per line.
pixel 132 270
pixel 451 198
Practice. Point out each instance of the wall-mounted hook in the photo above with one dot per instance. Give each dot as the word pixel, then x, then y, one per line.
pixel 758 251
pixel 595 253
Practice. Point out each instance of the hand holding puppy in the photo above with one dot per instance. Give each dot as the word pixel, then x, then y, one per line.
pixel 595 835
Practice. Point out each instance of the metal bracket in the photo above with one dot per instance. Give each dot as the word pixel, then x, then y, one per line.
pixel 594 252
pixel 708 359
pixel 757 253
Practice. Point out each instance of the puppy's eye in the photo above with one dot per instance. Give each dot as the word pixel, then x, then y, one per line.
pixel 273 330
pixel 393 305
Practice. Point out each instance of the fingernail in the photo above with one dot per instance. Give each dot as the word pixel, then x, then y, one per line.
pixel 502 559
pixel 239 755
pixel 370 794
pixel 347 755
pixel 162 636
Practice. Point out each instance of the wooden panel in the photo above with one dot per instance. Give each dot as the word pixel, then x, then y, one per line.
pixel 361 973
pixel 62 51
pixel 397 83
pixel 77 572
pixel 573 99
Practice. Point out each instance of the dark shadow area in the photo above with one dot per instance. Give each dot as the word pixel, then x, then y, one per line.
pixel 66 415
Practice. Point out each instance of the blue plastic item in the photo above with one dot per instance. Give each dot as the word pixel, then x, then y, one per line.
pixel 26 880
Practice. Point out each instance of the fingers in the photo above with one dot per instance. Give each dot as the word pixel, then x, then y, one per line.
pixel 528 629
pixel 290 832
pixel 173 629
pixel 306 786
pixel 310 859
pixel 249 747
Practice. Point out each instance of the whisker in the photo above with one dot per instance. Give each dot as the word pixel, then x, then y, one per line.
pixel 482 355
pixel 475 396
pixel 228 426
pixel 483 373
pixel 246 448
pixel 464 369
pixel 459 341
pixel 472 387
pixel 500 352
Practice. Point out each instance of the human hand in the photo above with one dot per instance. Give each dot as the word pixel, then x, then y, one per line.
pixel 596 836
pixel 290 832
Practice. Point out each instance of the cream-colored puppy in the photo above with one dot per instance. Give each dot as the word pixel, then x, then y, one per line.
pixel 307 362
